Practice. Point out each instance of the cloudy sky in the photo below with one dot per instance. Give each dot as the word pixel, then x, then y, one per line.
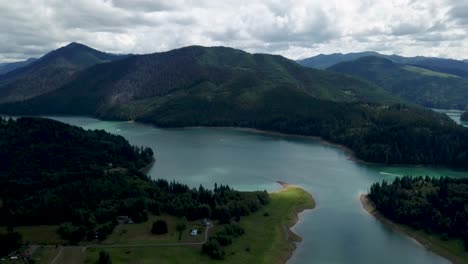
pixel 292 28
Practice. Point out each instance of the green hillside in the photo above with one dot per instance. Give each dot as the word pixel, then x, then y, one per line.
pixel 418 85
pixel 139 85
pixel 450 66
pixel 50 72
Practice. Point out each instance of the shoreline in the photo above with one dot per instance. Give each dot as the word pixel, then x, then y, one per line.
pixel 148 166
pixel 292 238
pixel 422 240
pixel 349 152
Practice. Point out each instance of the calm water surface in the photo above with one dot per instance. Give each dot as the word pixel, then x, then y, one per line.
pixel 454 114
pixel 337 231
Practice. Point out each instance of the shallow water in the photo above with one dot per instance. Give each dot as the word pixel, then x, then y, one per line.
pixel 337 231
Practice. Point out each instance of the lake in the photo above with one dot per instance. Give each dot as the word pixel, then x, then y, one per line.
pixel 454 114
pixel 337 231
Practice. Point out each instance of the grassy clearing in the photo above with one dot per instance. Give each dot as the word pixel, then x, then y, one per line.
pixel 267 238
pixel 72 255
pixel 140 233
pixel 45 255
pixel 40 234
pixel 451 249
pixel 429 72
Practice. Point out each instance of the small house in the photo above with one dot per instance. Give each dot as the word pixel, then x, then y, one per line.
pixel 194 232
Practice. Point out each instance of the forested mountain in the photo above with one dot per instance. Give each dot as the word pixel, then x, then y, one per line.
pixel 139 85
pixel 422 86
pixel 457 67
pixel 49 72
pixel 8 67
pixel 434 205
pixel 51 173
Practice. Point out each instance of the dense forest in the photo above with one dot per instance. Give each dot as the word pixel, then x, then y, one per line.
pixel 435 205
pixel 53 173
pixel 397 134
pixel 464 116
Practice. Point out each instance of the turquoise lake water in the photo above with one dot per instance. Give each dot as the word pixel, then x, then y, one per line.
pixel 337 231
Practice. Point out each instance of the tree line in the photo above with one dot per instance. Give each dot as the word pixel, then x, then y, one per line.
pixel 389 134
pixel 437 206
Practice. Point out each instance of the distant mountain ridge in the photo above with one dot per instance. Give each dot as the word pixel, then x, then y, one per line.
pixel 416 84
pixel 49 72
pixel 322 61
pixel 8 67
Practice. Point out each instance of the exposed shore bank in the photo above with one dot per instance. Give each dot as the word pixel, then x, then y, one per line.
pixel 431 243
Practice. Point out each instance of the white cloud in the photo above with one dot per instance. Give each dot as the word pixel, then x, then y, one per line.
pixel 293 28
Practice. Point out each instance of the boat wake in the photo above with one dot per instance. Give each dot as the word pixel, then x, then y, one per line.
pixel 391 174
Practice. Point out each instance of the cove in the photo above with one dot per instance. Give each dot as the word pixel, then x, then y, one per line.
pixel 337 231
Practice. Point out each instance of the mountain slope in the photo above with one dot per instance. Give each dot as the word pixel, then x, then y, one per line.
pixel 198 86
pixel 457 67
pixel 49 72
pixel 8 67
pixel 422 86
pixel 136 86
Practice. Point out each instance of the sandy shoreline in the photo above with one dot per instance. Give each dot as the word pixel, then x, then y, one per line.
pixel 368 205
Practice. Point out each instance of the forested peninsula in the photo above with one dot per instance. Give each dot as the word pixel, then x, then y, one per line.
pixel 434 210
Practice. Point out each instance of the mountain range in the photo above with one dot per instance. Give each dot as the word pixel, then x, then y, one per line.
pixel 219 86
pixel 427 81
pixel 142 85
pixel 457 67
pixel 425 87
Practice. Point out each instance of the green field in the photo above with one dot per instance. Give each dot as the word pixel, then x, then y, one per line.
pixel 428 72
pixel 267 239
pixel 140 233
pixel 40 234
